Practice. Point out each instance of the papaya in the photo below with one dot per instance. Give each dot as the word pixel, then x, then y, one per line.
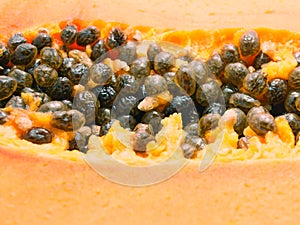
pixel 230 176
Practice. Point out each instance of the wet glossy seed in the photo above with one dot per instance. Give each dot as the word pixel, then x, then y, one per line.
pixel 87 103
pixel 255 83
pixel 126 83
pixel 99 50
pixel 127 121
pixel 127 52
pixel 30 68
pixel 197 142
pixel 249 43
pixel 105 128
pixel 152 51
pixel 294 78
pixel 243 101
pixel 235 73
pixel 163 62
pixel 289 102
pixel 70 120
pixel 51 57
pixel 87 36
pixel 209 93
pixel 81 137
pixel 208 122
pixel 45 76
pixel 106 95
pixel 52 106
pixel 230 53
pixel 79 73
pixel 24 54
pixel 103 116
pixel 228 90
pixel 38 135
pixel 184 78
pixel 240 120
pixel 16 102
pixel 66 66
pixel 297 57
pixel 215 108
pixel 68 34
pixel 261 59
pixel 61 89
pixel 256 110
pixel 200 71
pixel 3 117
pixel 294 122
pixel 155 84
pixel 140 68
pixel 143 134
pixel 116 38
pixel 243 143
pixel 125 105
pixel 153 118
pixel 23 79
pixel 8 86
pixel 216 64
pixel 42 40
pixel 261 123
pixel 100 73
pixel 191 129
pixel 15 40
pixel 188 150
pixel 277 91
pixel 68 103
pixel 4 55
pixel 179 104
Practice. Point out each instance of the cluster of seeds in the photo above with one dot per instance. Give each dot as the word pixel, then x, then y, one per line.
pixel 85 93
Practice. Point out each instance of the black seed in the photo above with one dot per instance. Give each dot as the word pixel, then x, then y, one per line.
pixel 127 52
pixel 106 95
pixel 261 59
pixel 66 66
pixel 243 143
pixel 143 134
pixel 152 51
pixel 140 67
pixel 289 102
pixel 294 122
pixel 38 135
pixel 3 117
pixel 52 106
pixel 126 83
pixel 228 90
pixel 191 129
pixel 197 142
pixel 42 40
pixel 235 73
pixel 163 62
pixel 15 40
pixel 216 64
pixel 4 55
pixel 100 73
pixel 61 89
pixel 45 76
pixel 23 79
pixel 51 57
pixel 184 78
pixel 81 137
pixel 70 120
pixel 16 102
pixel 277 91
pixel 261 123
pixel 249 43
pixel 87 103
pixel 68 34
pixel 243 101
pixel 209 93
pixel 87 36
pixel 230 53
pixel 215 108
pixel 30 69
pixel 153 118
pixel 256 110
pixel 188 150
pixel 99 49
pixel 255 83
pixel 125 105
pixel 8 86
pixel 208 122
pixel 240 120
pixel 105 128
pixel 155 84
pixel 294 78
pixel 172 86
pixel 24 54
pixel 103 116
pixel 116 38
pixel 79 73
pixel 127 121
pixel 200 71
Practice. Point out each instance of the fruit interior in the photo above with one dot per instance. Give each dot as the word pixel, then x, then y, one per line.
pixel 280 45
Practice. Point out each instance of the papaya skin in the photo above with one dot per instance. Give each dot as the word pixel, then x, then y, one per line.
pixel 41 189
